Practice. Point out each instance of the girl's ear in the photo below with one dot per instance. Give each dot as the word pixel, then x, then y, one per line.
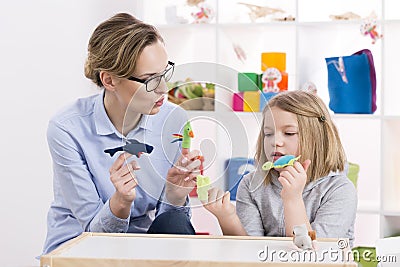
pixel 107 80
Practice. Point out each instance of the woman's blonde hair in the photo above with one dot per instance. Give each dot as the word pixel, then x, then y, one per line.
pixel 319 139
pixel 116 45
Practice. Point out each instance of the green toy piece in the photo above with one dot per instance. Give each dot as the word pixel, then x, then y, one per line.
pixel 186 137
pixel 203 184
pixel 287 160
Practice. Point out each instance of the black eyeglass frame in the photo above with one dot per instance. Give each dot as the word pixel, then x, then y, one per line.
pixel 169 66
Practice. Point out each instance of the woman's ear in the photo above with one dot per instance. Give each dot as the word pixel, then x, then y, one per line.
pixel 107 80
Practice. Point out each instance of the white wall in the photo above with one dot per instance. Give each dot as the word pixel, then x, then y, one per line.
pixel 42 51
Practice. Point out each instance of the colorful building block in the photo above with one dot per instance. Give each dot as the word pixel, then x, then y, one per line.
pixel 247 81
pixel 260 82
pixel 273 60
pixel 283 85
pixel 264 98
pixel 251 101
pixel 237 101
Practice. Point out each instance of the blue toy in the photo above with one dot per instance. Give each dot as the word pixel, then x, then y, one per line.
pixel 287 160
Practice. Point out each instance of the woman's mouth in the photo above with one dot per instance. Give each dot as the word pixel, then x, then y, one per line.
pixel 159 102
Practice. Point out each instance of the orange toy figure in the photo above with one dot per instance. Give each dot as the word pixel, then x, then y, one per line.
pixel 369 28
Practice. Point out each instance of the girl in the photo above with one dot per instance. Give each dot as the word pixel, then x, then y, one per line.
pixel 315 192
pixel 95 192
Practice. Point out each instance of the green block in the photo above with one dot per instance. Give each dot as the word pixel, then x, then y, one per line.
pixel 259 82
pixel 248 81
pixel 365 256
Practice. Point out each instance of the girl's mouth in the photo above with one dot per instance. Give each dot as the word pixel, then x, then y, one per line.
pixel 276 155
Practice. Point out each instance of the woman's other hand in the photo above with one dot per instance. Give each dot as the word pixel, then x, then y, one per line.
pixel 181 178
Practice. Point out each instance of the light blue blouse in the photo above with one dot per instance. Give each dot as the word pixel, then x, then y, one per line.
pixel 77 138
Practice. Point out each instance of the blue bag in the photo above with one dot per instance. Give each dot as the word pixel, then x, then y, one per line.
pixel 352 83
pixel 237 168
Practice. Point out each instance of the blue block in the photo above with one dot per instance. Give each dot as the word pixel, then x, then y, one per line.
pixel 237 168
pixel 264 98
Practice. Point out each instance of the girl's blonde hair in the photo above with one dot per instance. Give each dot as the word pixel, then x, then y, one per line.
pixel 115 46
pixel 319 139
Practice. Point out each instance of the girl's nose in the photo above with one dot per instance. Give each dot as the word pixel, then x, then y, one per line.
pixel 278 140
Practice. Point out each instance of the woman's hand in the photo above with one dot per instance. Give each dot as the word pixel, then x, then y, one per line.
pixel 219 204
pixel 181 178
pixel 123 178
pixel 293 179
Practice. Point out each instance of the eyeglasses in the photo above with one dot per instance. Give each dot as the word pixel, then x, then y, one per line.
pixel 153 82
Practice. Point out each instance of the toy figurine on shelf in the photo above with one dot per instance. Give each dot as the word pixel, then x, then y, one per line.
pixel 260 11
pixel 133 147
pixel 345 16
pixel 302 238
pixel 194 2
pixel 271 77
pixel 309 87
pixel 204 14
pixel 368 27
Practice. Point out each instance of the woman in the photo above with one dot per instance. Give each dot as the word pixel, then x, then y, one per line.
pixel 99 193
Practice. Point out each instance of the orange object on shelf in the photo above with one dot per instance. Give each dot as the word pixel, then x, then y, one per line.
pixel 283 84
pixel 273 60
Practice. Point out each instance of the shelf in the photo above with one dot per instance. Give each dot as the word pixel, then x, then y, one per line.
pixel 391 118
pixel 356 116
pixel 257 25
pixel 368 207
pixel 391 213
pixel 311 10
pixel 333 23
pixel 390 225
pixel 184 26
pixel 391 21
pixel 320 24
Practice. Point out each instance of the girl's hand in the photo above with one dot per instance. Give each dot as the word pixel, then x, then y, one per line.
pixel 124 180
pixel 219 204
pixel 181 178
pixel 293 179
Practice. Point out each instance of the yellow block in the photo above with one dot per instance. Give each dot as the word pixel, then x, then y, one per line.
pixel 273 60
pixel 251 101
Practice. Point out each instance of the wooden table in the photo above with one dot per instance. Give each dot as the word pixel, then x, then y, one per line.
pixel 101 249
